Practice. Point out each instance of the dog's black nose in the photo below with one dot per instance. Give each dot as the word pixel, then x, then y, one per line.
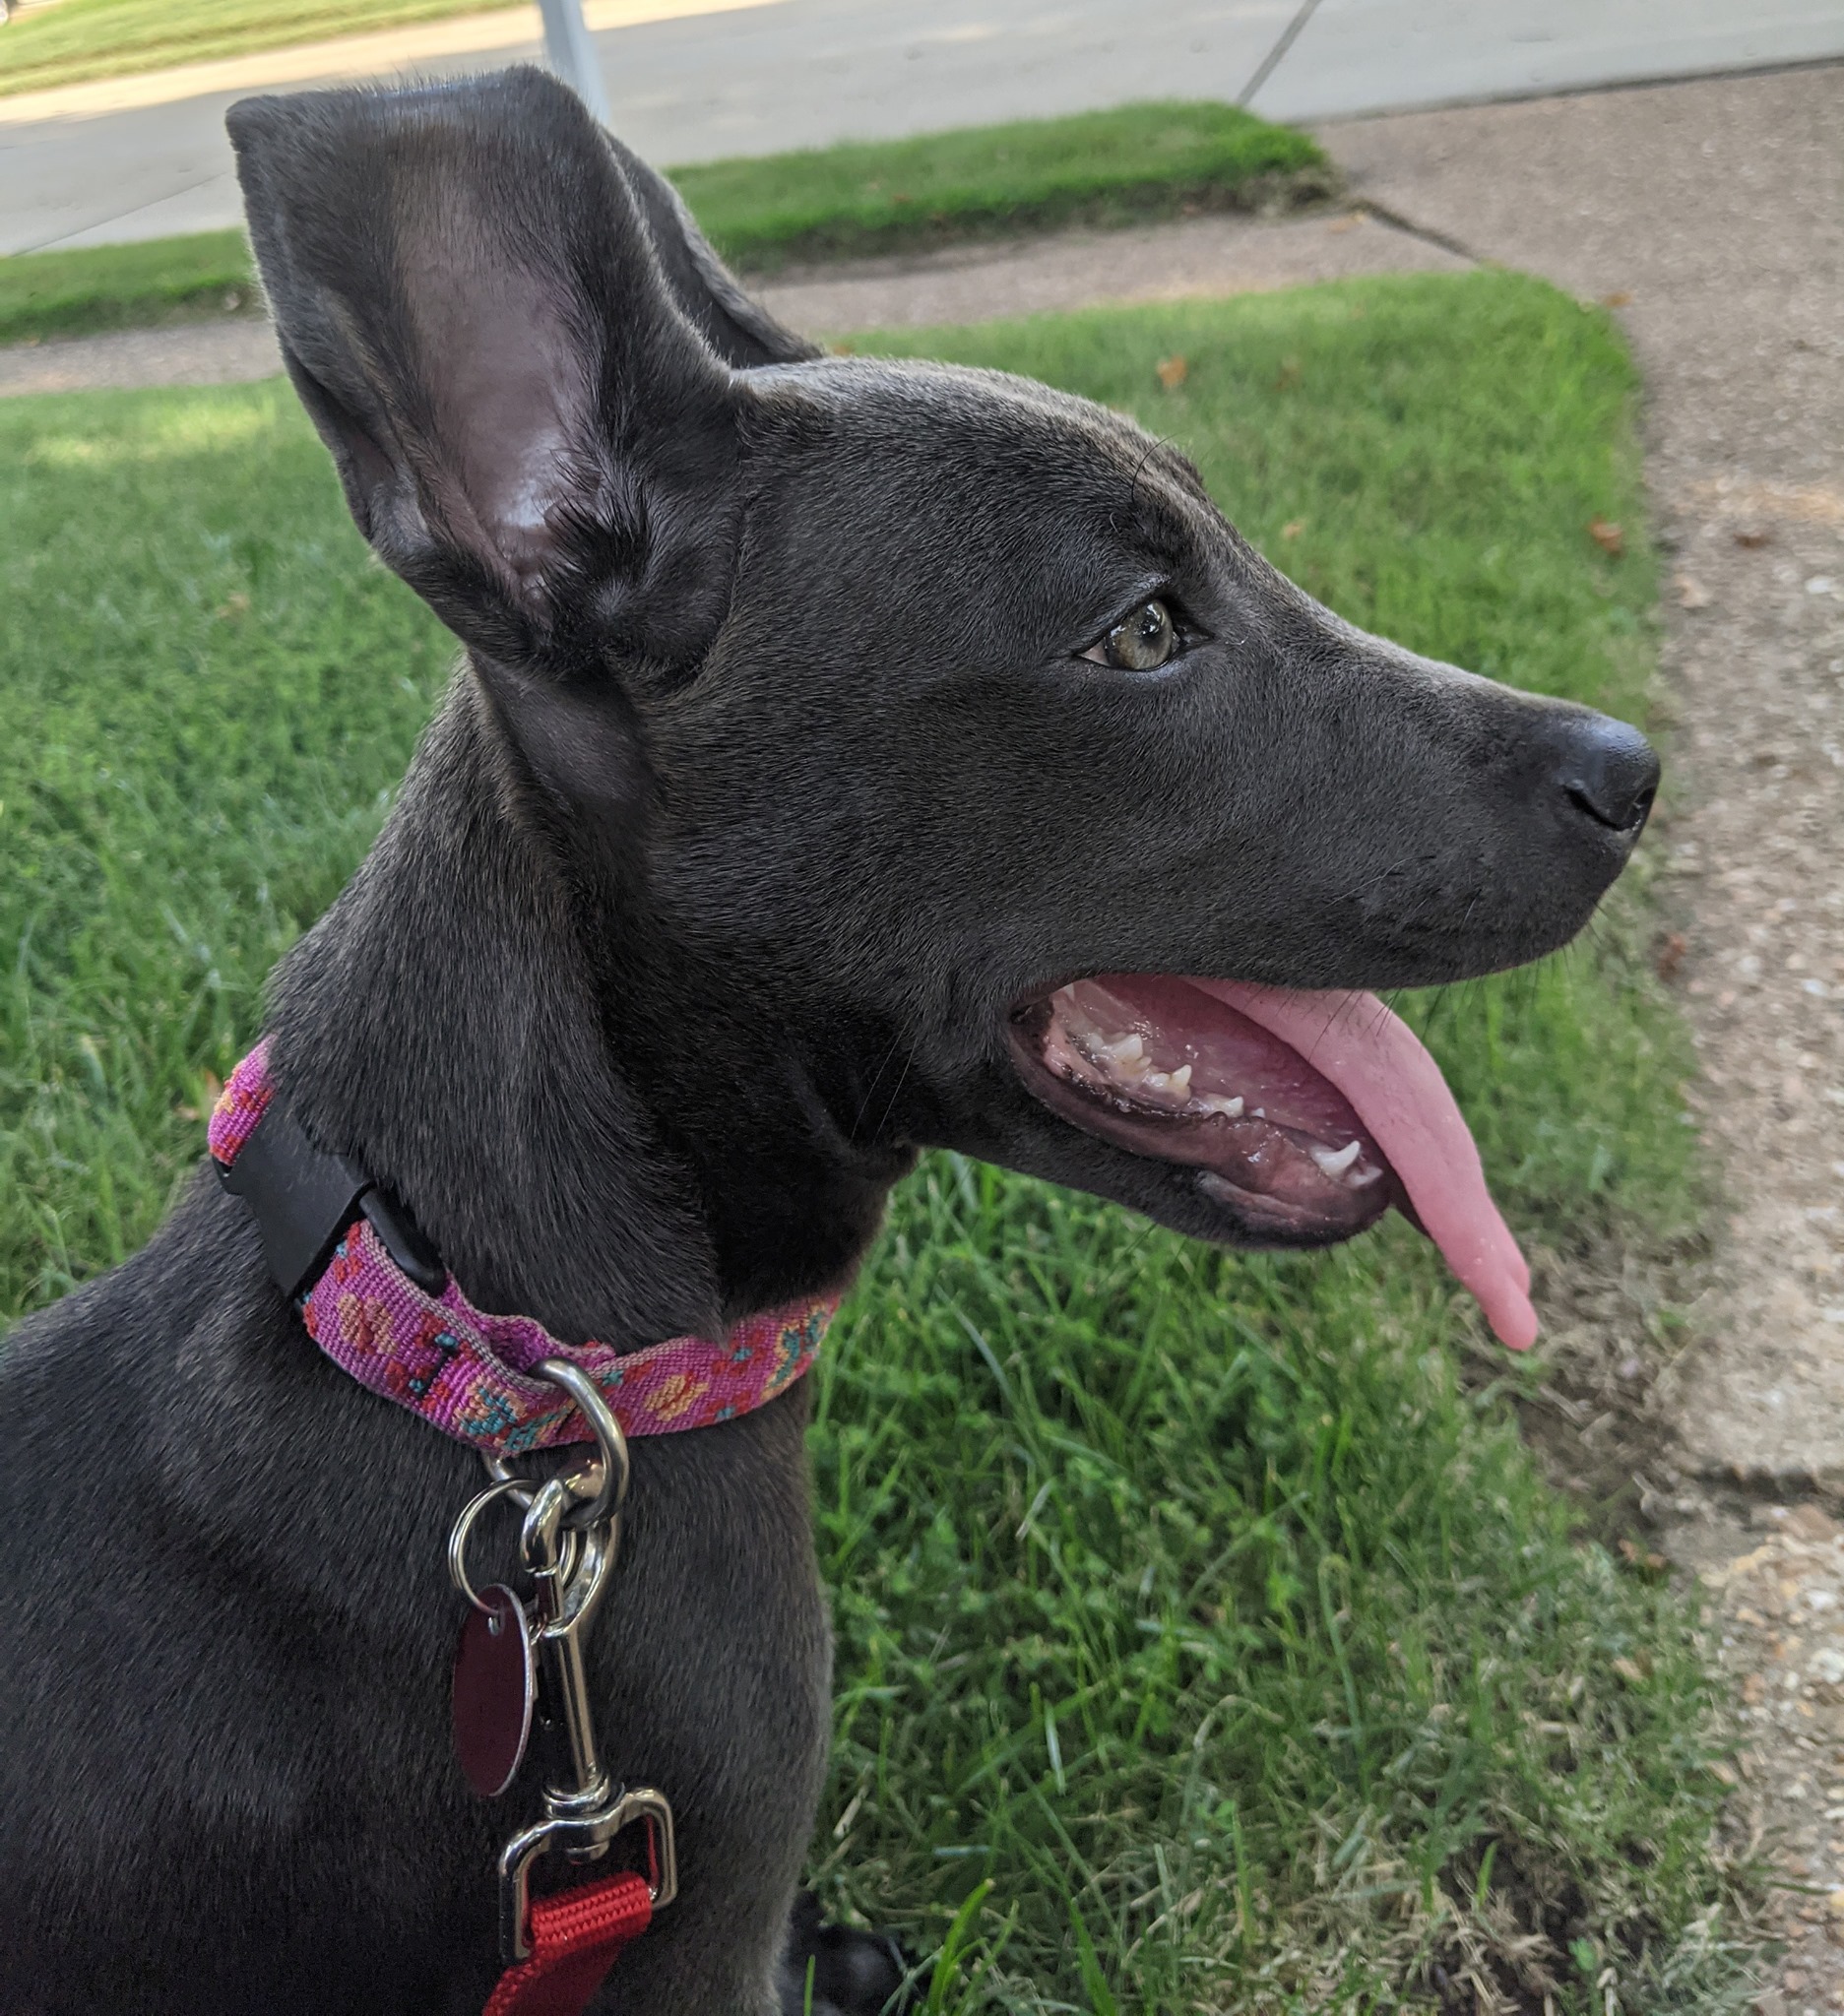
pixel 1609 770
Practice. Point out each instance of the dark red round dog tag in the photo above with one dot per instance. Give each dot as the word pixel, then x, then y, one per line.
pixel 494 1690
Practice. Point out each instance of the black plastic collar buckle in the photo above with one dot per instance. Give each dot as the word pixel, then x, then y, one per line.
pixel 305 1200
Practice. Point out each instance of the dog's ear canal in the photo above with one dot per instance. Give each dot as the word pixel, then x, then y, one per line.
pixel 529 391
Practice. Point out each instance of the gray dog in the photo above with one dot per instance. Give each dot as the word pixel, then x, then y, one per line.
pixel 846 758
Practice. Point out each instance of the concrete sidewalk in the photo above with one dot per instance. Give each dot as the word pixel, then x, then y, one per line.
pixel 695 80
pixel 1206 255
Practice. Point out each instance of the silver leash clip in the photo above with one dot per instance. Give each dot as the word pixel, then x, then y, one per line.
pixel 568 1546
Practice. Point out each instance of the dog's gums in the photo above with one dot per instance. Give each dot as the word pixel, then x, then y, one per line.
pixel 1304 1116
pixel 1152 1064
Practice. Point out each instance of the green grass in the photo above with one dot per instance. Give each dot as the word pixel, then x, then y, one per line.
pixel 126 287
pixel 80 39
pixel 1204 1644
pixel 1109 168
pixel 1094 168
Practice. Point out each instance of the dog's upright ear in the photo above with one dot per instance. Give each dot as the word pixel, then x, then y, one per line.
pixel 521 355
pixel 741 331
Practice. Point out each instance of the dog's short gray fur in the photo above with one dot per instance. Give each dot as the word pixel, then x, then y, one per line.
pixel 771 777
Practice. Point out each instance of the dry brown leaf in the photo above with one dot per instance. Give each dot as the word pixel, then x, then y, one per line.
pixel 1606 536
pixel 1619 298
pixel 1631 1672
pixel 1669 957
pixel 1173 372
pixel 234 604
pixel 1752 535
pixel 1293 527
pixel 1692 594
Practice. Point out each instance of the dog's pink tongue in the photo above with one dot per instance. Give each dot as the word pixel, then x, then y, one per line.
pixel 1395 1087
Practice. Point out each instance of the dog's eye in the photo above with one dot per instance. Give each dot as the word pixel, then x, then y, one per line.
pixel 1141 642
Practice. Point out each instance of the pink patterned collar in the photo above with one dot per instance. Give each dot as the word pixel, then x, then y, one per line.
pixel 469 1373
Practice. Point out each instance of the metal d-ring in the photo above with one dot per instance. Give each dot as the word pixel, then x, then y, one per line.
pixel 590 1485
pixel 611 1445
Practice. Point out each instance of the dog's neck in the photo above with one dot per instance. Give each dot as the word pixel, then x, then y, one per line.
pixel 480 1020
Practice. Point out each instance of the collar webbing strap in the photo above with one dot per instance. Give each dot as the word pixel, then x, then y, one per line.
pixel 576 1937
pixel 378 1301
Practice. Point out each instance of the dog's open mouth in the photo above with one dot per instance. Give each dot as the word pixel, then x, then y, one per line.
pixel 1306 1115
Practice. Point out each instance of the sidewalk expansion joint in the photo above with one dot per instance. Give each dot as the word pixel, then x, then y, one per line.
pixel 1426 232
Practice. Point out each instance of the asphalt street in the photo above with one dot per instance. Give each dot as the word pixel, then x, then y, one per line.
pixel 690 80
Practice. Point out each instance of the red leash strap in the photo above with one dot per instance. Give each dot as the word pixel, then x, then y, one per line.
pixel 576 1936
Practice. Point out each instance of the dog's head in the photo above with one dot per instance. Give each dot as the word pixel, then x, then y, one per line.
pixel 911 721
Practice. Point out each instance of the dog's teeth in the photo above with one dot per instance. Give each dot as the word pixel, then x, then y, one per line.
pixel 1215 1103
pixel 1363 1177
pixel 1334 1162
pixel 1181 1079
pixel 1126 1057
pixel 1155 1081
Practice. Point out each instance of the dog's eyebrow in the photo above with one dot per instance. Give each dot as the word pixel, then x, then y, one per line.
pixel 1181 469
pixel 1160 524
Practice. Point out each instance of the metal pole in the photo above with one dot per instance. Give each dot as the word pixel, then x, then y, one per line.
pixel 572 54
